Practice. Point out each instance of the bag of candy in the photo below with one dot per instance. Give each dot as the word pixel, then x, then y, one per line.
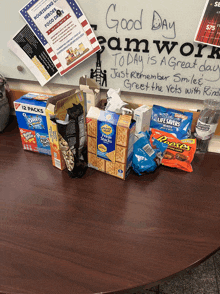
pixel 179 153
pixel 173 121
pixel 147 156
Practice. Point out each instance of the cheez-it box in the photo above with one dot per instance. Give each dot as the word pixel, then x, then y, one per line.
pixel 58 106
pixel 110 139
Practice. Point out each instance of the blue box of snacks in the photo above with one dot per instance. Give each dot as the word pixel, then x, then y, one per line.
pixel 31 118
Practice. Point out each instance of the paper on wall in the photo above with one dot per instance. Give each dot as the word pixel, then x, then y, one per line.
pixel 208 31
pixel 29 49
pixel 63 30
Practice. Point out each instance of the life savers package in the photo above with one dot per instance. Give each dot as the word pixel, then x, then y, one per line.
pixel 110 140
pixel 173 121
pixel 31 117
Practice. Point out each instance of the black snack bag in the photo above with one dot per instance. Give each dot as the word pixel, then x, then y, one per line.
pixel 73 142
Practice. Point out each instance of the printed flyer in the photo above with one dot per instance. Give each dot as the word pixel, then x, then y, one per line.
pixel 208 31
pixel 64 31
pixel 30 50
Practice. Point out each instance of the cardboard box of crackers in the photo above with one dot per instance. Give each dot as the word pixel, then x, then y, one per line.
pixel 110 139
pixel 30 112
pixel 57 107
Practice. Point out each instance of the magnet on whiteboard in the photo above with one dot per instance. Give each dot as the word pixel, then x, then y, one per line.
pixel 20 68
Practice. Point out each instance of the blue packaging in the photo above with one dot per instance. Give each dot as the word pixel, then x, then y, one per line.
pixel 106 134
pixel 31 118
pixel 173 121
pixel 146 156
pixel 34 121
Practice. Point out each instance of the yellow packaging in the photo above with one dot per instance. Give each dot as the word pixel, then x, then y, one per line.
pixel 110 139
pixel 96 163
pixel 58 106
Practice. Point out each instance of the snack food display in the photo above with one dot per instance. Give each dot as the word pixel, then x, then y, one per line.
pixel 173 121
pixel 56 125
pixel 179 154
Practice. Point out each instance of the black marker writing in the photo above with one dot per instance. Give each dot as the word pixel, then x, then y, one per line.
pixel 159 23
pixel 112 22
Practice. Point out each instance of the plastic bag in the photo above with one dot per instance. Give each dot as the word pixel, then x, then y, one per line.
pixel 72 132
pixel 179 153
pixel 147 156
pixel 114 102
pixel 173 121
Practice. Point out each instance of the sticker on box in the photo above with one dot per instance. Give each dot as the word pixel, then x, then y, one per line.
pixel 34 122
pixel 43 143
pixel 106 141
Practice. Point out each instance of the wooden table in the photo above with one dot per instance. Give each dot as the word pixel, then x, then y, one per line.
pixel 100 233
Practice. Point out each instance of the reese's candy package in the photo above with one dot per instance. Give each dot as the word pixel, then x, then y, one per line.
pixel 175 122
pixel 179 153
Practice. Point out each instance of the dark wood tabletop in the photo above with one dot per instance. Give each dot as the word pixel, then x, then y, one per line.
pixel 100 233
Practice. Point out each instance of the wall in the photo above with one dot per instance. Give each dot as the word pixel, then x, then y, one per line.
pixel 148 47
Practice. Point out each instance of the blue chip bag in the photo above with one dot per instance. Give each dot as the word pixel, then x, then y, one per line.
pixel 173 121
pixel 146 156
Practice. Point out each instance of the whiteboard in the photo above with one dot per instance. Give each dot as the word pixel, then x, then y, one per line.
pixel 147 47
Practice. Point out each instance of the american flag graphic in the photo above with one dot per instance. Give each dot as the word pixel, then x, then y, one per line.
pixel 28 19
pixel 85 27
pixel 75 8
pixel 88 31
pixel 208 31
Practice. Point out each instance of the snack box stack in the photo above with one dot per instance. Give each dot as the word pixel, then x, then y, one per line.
pixel 110 139
pixel 57 106
pixel 31 118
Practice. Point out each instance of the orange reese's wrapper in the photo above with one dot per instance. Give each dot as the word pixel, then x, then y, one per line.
pixel 179 154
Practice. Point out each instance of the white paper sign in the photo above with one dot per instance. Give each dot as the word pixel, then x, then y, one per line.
pixel 64 31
